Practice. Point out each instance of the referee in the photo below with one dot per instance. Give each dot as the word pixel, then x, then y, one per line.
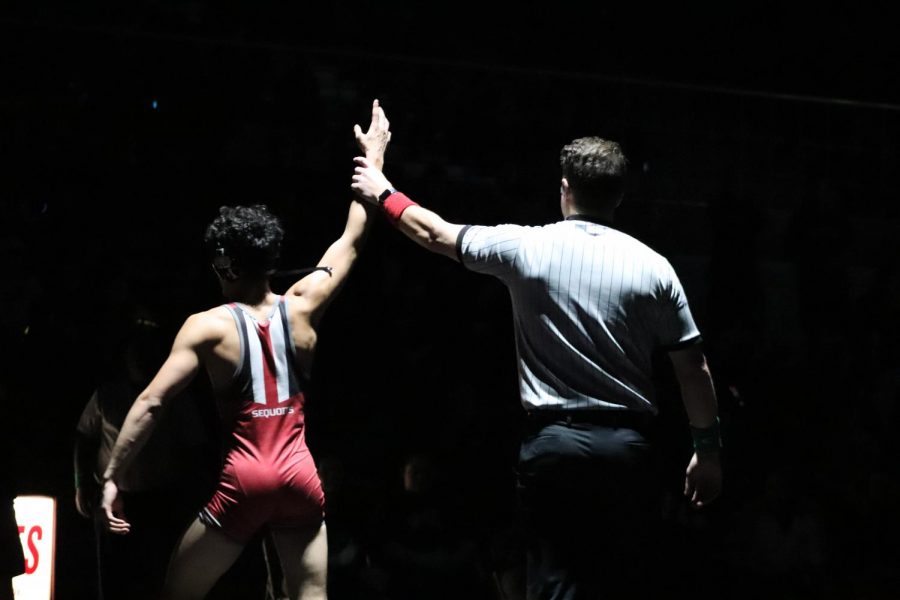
pixel 591 305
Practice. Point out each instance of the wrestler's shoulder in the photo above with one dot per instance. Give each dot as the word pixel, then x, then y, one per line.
pixel 212 323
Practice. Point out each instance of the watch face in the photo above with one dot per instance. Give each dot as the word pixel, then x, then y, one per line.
pixel 384 195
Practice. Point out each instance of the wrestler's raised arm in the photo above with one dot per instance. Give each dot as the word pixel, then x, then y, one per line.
pixel 316 289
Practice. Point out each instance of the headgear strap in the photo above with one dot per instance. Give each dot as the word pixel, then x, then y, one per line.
pixel 223 265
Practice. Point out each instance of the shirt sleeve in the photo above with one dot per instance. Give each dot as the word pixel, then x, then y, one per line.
pixel 489 250
pixel 676 327
pixel 90 422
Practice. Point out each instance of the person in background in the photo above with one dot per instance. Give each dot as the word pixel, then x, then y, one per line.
pixel 169 472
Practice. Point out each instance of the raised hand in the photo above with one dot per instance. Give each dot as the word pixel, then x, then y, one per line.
pixel 375 140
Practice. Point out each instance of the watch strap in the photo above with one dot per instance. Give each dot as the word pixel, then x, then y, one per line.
pixel 385 194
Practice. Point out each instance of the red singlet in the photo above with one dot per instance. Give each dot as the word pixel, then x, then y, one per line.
pixel 269 477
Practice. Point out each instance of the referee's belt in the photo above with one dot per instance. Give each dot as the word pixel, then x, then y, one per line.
pixel 626 419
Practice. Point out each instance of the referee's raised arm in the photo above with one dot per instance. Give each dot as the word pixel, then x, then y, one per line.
pixel 423 226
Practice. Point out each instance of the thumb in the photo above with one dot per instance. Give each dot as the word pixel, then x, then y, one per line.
pixel 357 130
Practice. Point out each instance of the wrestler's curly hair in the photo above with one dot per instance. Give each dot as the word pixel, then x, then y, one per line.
pixel 595 169
pixel 250 235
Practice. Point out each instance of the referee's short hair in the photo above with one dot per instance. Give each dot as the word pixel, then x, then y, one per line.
pixel 595 169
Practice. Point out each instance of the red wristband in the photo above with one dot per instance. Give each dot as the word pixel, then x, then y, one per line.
pixel 394 205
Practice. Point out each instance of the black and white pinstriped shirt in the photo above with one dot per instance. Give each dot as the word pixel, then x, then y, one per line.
pixel 590 304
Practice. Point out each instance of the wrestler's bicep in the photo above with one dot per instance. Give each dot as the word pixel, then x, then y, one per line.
pixel 317 288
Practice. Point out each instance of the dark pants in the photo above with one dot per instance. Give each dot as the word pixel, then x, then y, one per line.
pixel 133 566
pixel 590 497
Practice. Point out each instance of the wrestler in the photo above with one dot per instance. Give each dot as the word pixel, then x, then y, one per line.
pixel 257 351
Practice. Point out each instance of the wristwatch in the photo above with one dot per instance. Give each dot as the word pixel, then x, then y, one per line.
pixel 384 195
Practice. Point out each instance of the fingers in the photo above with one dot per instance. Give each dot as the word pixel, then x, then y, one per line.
pixel 378 117
pixel 695 493
pixel 700 494
pixel 701 499
pixel 360 192
pixel 362 161
pixel 357 131
pixel 692 492
pixel 116 525
pixel 358 185
pixel 359 174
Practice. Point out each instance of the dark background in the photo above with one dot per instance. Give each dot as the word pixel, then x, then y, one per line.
pixel 762 145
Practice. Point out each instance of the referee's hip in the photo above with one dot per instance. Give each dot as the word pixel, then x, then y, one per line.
pixel 538 419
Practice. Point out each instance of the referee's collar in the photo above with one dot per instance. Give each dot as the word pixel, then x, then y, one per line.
pixel 591 218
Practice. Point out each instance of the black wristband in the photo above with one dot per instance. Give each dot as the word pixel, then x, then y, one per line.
pixel 385 194
pixel 707 440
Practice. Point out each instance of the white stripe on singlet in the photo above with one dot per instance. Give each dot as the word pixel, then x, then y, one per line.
pixel 279 351
pixel 255 354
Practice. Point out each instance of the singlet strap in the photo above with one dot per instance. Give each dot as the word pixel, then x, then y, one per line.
pixel 242 371
pixel 299 378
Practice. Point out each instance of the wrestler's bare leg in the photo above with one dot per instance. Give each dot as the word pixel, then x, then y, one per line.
pixel 304 560
pixel 201 557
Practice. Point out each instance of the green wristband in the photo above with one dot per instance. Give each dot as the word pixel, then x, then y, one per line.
pixel 707 439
